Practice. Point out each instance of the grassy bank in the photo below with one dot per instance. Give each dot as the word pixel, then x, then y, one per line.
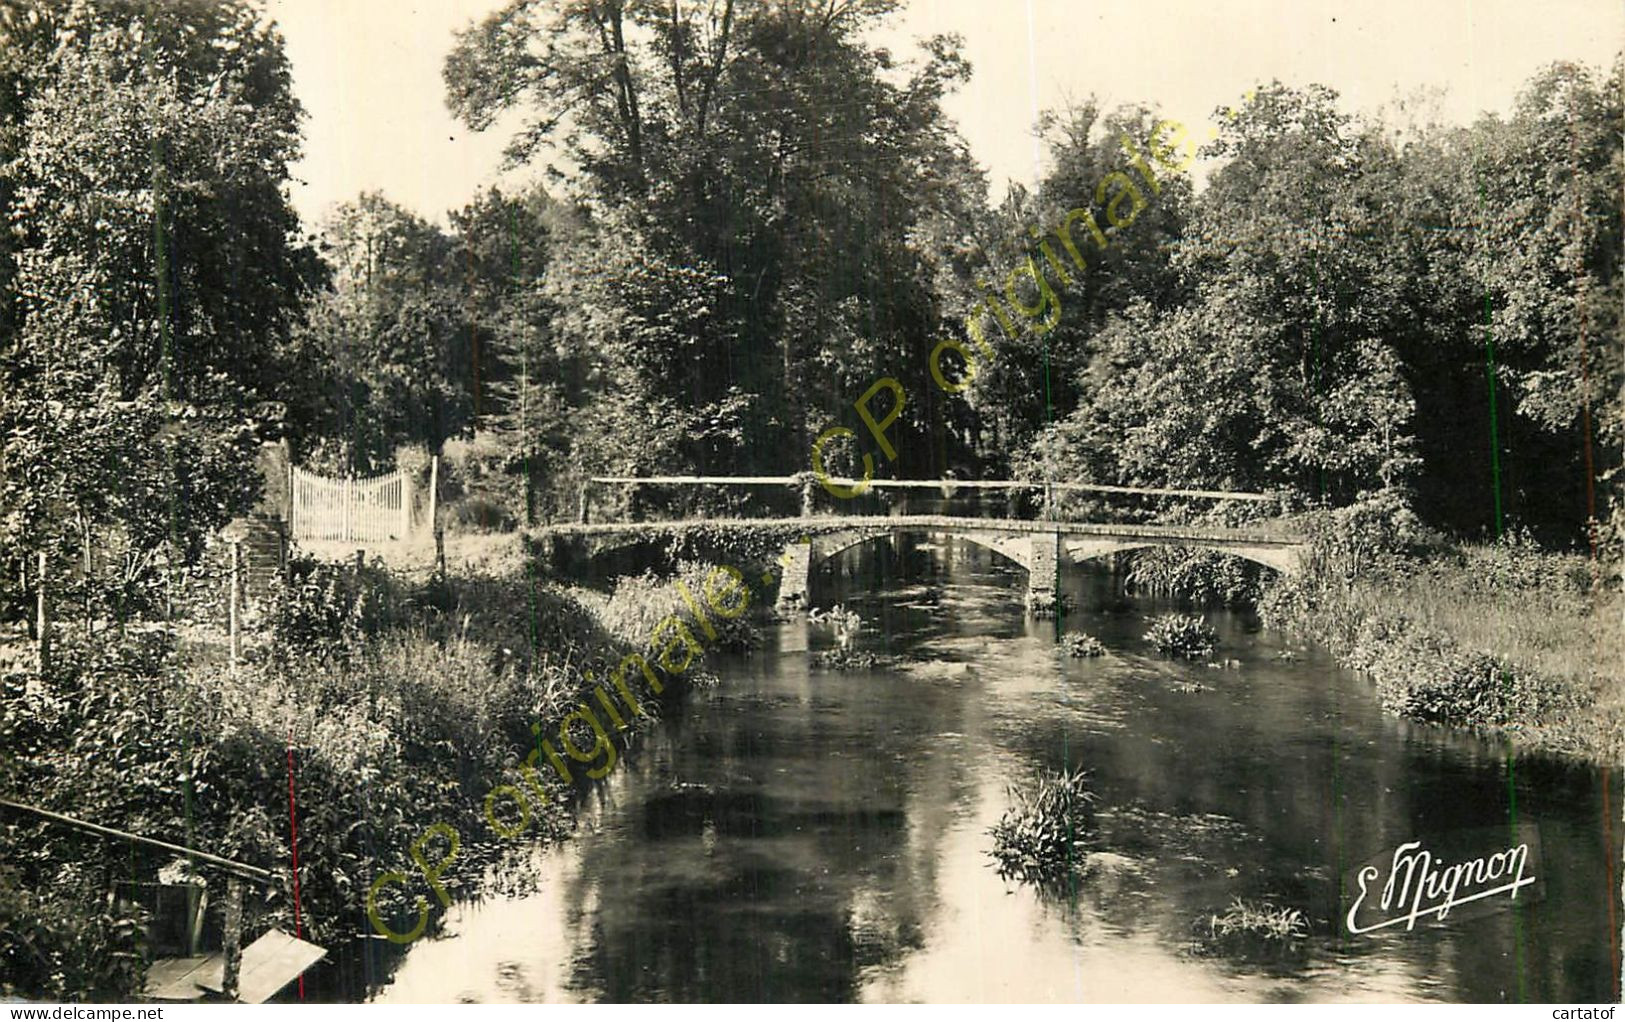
pixel 1503 638
pixel 393 706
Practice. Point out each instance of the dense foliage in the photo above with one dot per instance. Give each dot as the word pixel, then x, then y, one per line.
pixel 1500 637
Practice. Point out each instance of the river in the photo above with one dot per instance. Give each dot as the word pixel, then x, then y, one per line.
pixel 797 834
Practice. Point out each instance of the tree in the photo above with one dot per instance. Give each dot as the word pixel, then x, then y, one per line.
pixel 1033 377
pixel 1272 371
pixel 154 281
pixel 768 149
pixel 393 336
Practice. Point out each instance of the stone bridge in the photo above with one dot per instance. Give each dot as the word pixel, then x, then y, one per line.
pixel 1039 547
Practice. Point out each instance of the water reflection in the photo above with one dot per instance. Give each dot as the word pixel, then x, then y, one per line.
pixel 798 835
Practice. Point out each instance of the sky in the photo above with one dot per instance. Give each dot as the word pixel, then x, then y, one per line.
pixel 368 72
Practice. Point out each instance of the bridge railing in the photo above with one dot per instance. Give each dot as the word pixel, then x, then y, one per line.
pixel 810 491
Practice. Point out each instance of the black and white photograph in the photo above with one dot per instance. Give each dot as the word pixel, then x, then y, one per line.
pixel 739 502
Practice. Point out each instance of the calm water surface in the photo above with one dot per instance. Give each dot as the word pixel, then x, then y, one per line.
pixel 799 835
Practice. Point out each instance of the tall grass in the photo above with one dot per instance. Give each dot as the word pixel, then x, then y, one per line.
pixel 640 602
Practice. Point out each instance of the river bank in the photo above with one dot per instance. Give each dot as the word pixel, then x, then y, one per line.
pixel 1502 638
pixel 377 705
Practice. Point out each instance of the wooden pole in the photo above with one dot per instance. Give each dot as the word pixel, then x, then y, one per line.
pixel 344 498
pixel 581 513
pixel 232 938
pixel 234 612
pixel 88 629
pixel 240 869
pixel 406 507
pixel 434 495
pixel 293 499
pixel 44 626
pixel 22 587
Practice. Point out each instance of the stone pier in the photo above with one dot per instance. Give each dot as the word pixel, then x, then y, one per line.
pixel 1043 572
pixel 797 564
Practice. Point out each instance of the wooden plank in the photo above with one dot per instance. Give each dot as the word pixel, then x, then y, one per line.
pixel 939 484
pixel 175 979
pixel 1197 534
pixel 269 964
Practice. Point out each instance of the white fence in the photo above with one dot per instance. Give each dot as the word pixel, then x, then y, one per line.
pixel 374 510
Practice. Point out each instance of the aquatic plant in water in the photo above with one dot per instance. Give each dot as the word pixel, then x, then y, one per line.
pixel 1082 644
pixel 1039 839
pixel 1050 605
pixel 1263 921
pixel 844 623
pixel 1182 635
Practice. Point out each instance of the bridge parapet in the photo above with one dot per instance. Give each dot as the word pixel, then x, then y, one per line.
pixel 1039 547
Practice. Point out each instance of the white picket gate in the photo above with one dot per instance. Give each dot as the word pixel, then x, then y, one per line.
pixel 375 510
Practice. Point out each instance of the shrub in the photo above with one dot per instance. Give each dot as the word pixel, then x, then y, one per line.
pixel 1516 564
pixel 1182 635
pixel 1201 576
pixel 640 602
pixel 408 719
pixel 1079 644
pixel 64 950
pixel 479 513
pixel 324 610
pixel 1039 839
pixel 1427 676
pixel 845 660
pixel 1500 635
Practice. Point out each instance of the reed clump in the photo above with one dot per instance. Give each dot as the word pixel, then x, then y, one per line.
pixel 1041 838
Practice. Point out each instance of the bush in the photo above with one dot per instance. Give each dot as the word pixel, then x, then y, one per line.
pixel 1516 564
pixel 1040 839
pixel 1079 644
pixel 1427 676
pixel 478 513
pixel 1201 576
pixel 1500 635
pixel 640 602
pixel 324 610
pixel 846 660
pixel 62 950
pixel 1182 635
pixel 404 709
pixel 1054 605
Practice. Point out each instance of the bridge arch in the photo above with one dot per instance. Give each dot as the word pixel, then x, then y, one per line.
pixel 831 545
pixel 1281 559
